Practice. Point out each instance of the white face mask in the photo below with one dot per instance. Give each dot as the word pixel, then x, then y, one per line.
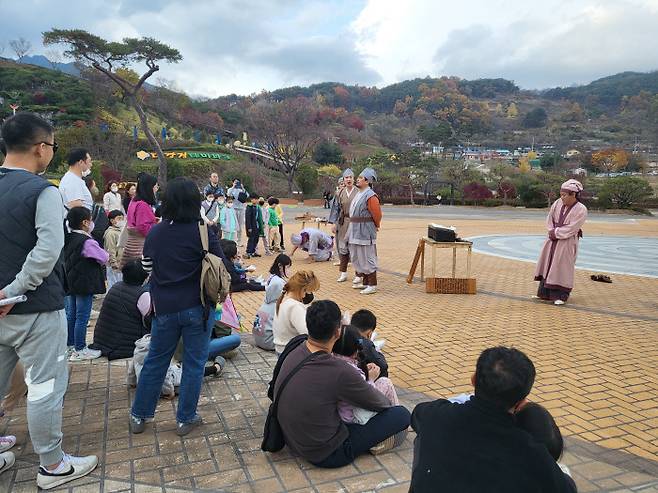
pixel 229 204
pixel 120 224
pixel 114 188
pixel 86 172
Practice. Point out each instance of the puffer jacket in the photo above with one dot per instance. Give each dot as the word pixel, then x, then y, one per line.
pixel 174 372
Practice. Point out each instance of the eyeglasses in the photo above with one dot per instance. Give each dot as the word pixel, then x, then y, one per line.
pixel 54 145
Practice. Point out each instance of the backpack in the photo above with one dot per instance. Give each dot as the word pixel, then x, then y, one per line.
pixel 215 279
pixel 101 224
pixel 243 197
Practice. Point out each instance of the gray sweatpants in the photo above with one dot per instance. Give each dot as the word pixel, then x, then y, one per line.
pixel 39 340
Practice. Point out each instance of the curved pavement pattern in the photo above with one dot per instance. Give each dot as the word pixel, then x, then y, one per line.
pixel 614 254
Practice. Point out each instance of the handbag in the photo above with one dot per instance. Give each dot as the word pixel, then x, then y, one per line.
pixel 215 279
pixel 273 439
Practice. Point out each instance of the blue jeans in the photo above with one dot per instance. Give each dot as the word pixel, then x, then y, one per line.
pixel 223 345
pixel 166 330
pixel 78 310
pixel 363 437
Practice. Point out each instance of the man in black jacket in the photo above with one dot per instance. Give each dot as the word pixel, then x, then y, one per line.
pixel 477 446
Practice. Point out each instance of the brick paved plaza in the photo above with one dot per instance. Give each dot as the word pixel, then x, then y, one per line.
pixel 596 359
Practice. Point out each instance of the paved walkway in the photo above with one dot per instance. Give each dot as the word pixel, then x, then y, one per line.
pixel 597 363
pixel 613 254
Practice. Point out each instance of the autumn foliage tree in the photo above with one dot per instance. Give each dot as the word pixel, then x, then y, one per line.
pixel 288 131
pixel 109 57
pixel 477 192
pixel 610 160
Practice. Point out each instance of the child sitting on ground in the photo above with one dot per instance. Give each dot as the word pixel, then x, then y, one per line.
pixel 539 423
pixel 348 348
pixel 239 281
pixel 366 323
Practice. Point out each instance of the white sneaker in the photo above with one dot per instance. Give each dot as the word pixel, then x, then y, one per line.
pixel 358 286
pixel 357 280
pixel 342 277
pixel 7 460
pixel 84 354
pixel 70 469
pixel 369 290
pixel 7 442
pixel 336 264
pixel 558 302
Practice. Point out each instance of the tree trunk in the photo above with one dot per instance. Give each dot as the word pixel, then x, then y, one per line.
pixel 162 161
pixel 290 178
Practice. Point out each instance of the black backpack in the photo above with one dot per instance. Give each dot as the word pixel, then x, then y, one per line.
pixel 243 197
pixel 101 223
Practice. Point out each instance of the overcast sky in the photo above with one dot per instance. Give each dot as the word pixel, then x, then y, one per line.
pixel 232 46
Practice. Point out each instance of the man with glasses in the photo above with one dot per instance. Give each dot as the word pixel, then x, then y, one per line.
pixel 34 330
pixel 72 186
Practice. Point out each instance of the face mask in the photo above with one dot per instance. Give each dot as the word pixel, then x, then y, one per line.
pixel 91 226
pixel 86 172
pixel 308 298
pixel 120 224
pixel 230 204
pixel 114 189
pixel 220 201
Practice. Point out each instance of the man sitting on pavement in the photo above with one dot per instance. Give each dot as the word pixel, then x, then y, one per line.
pixel 477 446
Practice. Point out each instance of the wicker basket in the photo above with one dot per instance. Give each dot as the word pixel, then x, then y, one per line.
pixel 449 285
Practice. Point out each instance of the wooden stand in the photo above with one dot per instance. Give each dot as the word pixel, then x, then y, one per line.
pixel 447 285
pixel 311 220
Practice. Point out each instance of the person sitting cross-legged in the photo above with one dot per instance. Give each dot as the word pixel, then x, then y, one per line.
pixel 308 405
pixel 477 446
pixel 125 315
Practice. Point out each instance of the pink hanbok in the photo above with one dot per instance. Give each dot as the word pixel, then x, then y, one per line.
pixel 557 261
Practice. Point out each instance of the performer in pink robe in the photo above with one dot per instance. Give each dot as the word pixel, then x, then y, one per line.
pixel 557 261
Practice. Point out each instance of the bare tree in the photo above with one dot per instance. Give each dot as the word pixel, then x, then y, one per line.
pixel 104 56
pixel 288 132
pixel 21 47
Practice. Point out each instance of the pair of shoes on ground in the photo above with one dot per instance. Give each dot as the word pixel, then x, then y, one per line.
pixel 601 278
pixel 138 425
pixel 357 283
pixel 84 354
pixel 70 468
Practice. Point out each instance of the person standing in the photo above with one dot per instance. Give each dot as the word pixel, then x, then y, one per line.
pixel 213 186
pixel 128 196
pixel 32 239
pixel 111 246
pixel 279 214
pixel 173 248
pixel 340 217
pixel 365 219
pixel 557 261
pixel 72 186
pixel 228 220
pixel 253 224
pixel 112 200
pixel 140 218
pixel 237 191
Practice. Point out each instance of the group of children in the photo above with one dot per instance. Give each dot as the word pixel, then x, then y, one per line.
pixel 263 221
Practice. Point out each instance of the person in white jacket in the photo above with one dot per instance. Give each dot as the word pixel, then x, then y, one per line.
pixel 290 316
pixel 262 330
pixel 112 200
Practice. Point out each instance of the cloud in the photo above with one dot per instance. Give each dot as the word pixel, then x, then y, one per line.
pixel 243 46
pixel 318 60
pixel 600 41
